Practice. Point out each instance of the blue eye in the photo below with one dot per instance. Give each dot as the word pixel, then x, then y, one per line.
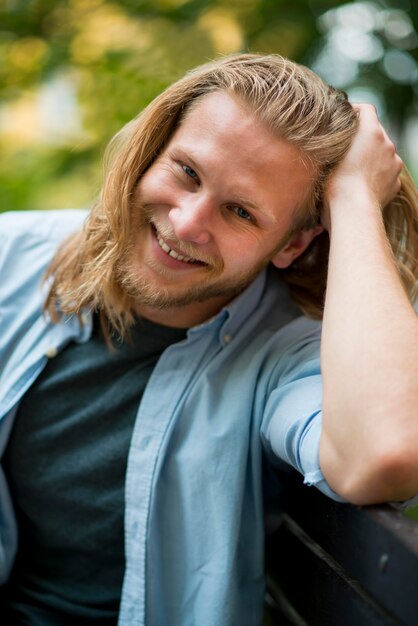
pixel 189 172
pixel 243 214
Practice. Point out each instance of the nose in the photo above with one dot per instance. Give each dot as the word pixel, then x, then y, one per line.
pixel 192 219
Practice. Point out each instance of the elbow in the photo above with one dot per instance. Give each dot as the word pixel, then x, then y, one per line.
pixel 381 473
pixel 387 475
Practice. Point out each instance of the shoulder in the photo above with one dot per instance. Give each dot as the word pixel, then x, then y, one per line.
pixel 28 241
pixel 41 224
pixel 294 351
pixel 36 233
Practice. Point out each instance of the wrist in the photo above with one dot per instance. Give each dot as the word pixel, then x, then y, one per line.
pixel 353 205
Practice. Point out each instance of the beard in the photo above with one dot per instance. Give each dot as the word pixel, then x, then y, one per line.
pixel 149 284
pixel 143 291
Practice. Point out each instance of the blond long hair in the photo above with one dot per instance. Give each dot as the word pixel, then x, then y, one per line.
pixel 297 106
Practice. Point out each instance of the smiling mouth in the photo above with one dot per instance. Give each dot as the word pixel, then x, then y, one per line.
pixel 173 253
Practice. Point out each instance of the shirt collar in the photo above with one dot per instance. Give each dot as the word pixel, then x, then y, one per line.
pixel 231 317
pixel 227 322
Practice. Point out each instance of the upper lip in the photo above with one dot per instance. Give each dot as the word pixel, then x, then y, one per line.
pixel 178 251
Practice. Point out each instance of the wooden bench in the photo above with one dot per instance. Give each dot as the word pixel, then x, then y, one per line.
pixel 331 564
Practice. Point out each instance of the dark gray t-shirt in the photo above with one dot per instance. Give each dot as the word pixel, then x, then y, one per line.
pixel 66 464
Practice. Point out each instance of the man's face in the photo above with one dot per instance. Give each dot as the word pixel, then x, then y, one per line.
pixel 213 210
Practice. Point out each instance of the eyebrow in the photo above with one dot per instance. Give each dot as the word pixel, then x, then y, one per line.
pixel 184 154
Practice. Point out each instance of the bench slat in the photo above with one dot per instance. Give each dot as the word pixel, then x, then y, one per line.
pixel 344 565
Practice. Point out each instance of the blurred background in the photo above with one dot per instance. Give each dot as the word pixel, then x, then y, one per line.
pixel 72 72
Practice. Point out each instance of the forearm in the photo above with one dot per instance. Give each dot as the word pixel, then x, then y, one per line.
pixel 369 360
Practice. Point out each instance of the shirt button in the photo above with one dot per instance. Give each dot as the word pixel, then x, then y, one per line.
pixel 51 352
pixel 227 338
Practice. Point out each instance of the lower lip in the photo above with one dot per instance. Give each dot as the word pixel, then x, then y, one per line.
pixel 168 260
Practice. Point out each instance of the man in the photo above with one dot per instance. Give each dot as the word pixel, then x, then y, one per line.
pixel 171 369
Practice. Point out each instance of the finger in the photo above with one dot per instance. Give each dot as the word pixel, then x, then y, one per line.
pixel 365 109
pixel 390 142
pixel 399 163
pixel 369 117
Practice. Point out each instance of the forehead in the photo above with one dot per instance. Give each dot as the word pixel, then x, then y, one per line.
pixel 227 116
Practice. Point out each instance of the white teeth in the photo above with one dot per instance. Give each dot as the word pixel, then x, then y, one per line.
pixel 173 253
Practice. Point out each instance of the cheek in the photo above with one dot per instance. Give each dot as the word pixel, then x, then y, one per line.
pixel 247 241
pixel 242 252
pixel 257 250
pixel 156 188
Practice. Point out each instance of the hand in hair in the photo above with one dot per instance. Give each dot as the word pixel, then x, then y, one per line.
pixel 371 167
pixel 369 347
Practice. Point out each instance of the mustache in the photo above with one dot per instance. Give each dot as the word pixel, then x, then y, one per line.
pixel 184 247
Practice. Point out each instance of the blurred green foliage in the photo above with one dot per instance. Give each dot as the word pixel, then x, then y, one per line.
pixel 73 72
pixel 116 56
pixel 413 513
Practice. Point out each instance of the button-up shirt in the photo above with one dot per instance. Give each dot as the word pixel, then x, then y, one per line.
pixel 242 387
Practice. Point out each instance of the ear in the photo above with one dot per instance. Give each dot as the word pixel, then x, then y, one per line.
pixel 294 248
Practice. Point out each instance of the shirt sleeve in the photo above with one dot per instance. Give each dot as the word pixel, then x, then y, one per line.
pixel 406 504
pixel 292 419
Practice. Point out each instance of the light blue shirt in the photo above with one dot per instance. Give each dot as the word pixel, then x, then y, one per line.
pixel 245 383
